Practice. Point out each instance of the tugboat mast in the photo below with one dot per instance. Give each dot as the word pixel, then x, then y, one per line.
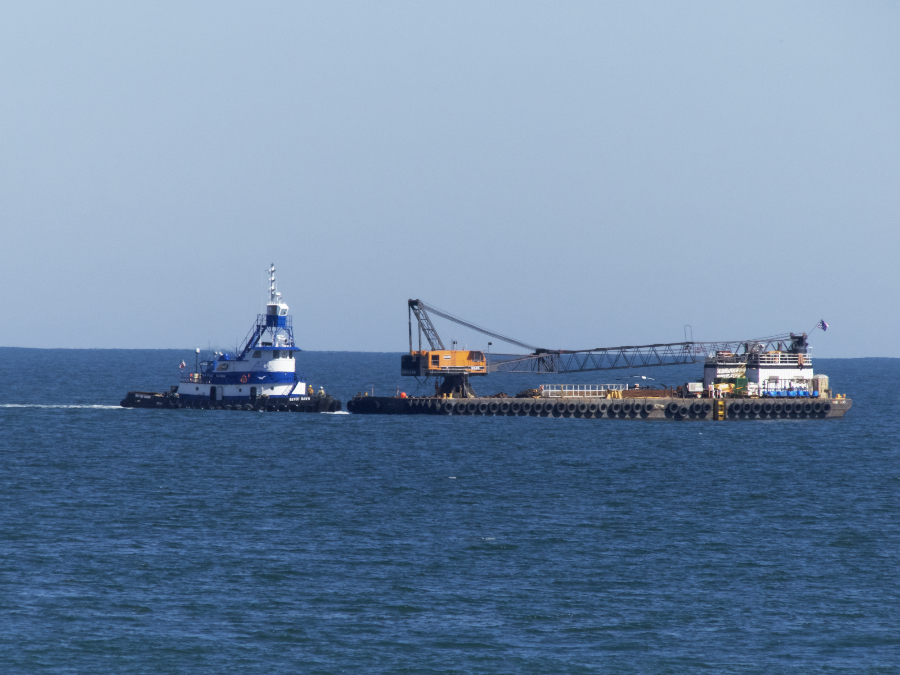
pixel 273 295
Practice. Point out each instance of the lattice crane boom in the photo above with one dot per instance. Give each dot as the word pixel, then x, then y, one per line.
pixel 601 358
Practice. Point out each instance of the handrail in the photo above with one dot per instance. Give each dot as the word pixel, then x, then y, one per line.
pixel 578 390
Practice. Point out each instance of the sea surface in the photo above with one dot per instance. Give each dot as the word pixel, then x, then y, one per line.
pixel 178 541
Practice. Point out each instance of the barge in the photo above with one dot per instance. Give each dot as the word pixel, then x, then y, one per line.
pixel 756 384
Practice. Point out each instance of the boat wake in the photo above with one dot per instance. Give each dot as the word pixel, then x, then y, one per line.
pixel 41 405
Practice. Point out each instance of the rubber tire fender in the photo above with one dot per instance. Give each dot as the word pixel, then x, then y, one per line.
pixel 582 407
pixel 560 407
pixel 571 408
pixel 807 407
pixel 756 408
pixel 527 407
pixel 746 407
pixel 648 408
pixel 602 408
pixel 627 407
pixel 684 411
pixel 515 407
pixel 768 407
pixel 778 407
pixel 504 408
pixel 448 407
pixel 615 408
pixel 817 407
pixel 471 408
pixel 734 408
pixel 494 407
pixel 826 407
pixel 592 408
pixel 538 407
pixel 696 407
pixel 672 408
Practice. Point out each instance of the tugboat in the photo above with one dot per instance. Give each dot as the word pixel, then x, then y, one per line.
pixel 261 376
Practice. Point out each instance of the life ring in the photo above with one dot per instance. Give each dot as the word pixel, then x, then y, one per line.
pixel 243 379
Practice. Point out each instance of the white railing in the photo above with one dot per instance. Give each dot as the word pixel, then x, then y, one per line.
pixel 763 359
pixel 579 390
pixel 782 359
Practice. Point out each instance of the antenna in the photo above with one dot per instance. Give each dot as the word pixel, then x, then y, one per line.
pixel 272 294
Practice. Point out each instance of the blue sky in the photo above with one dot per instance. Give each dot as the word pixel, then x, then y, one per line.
pixel 577 175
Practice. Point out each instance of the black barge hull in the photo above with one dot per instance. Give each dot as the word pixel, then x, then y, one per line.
pixel 676 409
pixel 145 399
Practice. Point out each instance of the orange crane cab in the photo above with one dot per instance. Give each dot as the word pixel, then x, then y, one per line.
pixel 440 362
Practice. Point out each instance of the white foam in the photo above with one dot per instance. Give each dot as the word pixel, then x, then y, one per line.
pixel 40 405
pixel 339 412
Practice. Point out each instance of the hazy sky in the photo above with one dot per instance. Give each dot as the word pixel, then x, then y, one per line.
pixel 571 174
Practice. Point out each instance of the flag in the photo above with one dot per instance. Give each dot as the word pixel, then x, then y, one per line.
pixel 182 364
pixel 822 325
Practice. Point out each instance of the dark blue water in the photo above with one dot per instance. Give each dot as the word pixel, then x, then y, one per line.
pixel 191 541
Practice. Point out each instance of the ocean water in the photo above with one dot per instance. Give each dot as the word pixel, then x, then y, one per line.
pixel 209 542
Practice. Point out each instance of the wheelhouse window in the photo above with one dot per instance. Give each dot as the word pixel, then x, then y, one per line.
pixel 275 354
pixel 257 354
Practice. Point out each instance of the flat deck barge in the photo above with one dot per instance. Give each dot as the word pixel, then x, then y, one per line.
pixel 644 408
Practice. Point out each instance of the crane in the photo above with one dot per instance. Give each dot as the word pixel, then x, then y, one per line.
pixel 455 366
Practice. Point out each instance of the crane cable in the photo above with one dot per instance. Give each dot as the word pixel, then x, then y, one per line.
pixel 485 331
